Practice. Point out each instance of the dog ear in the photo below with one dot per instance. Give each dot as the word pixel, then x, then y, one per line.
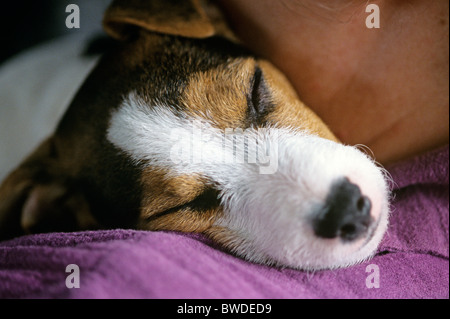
pixel 37 197
pixel 186 18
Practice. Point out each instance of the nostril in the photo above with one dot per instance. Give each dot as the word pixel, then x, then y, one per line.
pixel 352 231
pixel 360 204
pixel 364 205
pixel 348 231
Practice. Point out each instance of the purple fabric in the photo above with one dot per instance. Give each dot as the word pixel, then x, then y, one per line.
pixel 412 260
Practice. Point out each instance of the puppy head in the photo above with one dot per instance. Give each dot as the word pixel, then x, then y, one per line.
pixel 319 205
pixel 181 129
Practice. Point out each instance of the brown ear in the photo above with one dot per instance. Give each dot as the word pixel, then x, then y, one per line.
pixel 186 18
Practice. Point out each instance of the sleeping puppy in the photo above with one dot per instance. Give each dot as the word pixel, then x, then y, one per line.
pixel 179 128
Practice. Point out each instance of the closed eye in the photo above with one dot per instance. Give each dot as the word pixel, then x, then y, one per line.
pixel 207 200
pixel 258 99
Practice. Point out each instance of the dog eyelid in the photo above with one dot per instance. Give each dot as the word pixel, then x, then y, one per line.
pixel 258 99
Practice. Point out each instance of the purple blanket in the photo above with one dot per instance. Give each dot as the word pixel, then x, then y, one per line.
pixel 412 261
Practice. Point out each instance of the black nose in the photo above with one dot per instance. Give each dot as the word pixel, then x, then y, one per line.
pixel 346 213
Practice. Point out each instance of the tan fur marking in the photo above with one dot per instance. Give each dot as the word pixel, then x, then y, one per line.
pixel 219 96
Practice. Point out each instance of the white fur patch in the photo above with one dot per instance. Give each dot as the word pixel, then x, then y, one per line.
pixel 269 202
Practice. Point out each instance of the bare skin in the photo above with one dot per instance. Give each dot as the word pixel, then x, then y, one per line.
pixel 386 88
